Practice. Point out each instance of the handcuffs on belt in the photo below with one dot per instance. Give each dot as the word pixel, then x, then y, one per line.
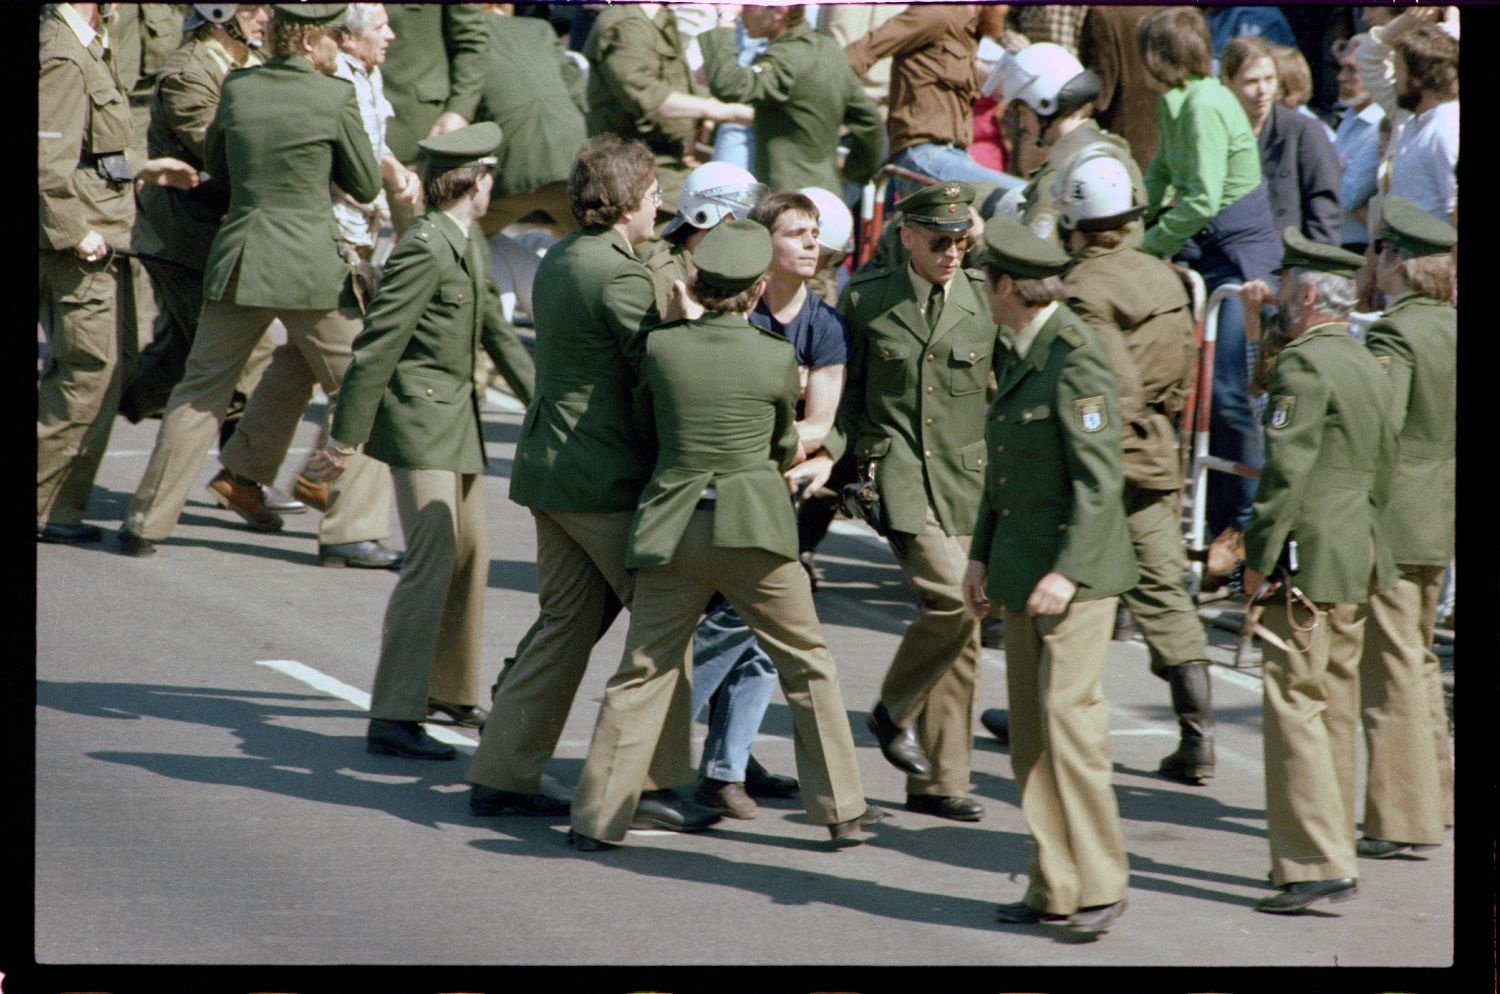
pixel 1287 567
pixel 861 499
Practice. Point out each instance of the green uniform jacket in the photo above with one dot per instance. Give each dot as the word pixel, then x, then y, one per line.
pixel 180 224
pixel 1139 310
pixel 1054 492
pixel 535 93
pixel 1416 341
pixel 674 264
pixel 1330 450
pixel 81 113
pixel 636 63
pixel 723 395
pixel 914 399
pixel 1040 199
pixel 436 64
pixel 802 90
pixel 282 132
pixel 578 450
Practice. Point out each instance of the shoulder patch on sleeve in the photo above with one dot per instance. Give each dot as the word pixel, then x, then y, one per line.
pixel 1283 406
pixel 1091 412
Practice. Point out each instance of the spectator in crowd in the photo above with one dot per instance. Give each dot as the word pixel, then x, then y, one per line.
pixel 84 211
pixel 934 84
pixel 281 134
pixel 803 94
pixel 1056 23
pixel 1207 159
pixel 1330 450
pixel 1126 104
pixel 1294 85
pixel 721 394
pixel 846 23
pixel 1299 163
pixel 1357 142
pixel 1409 787
pixel 1266 23
pixel 407 398
pixel 640 86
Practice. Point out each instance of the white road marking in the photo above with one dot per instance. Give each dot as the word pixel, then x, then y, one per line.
pixel 135 453
pixel 335 687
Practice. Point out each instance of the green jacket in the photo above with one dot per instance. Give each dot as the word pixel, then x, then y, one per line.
pixel 1416 340
pixel 180 224
pixel 803 91
pixel 579 451
pixel 636 62
pixel 535 93
pixel 1040 199
pixel 409 393
pixel 81 113
pixel 282 132
pixel 914 398
pixel 1330 450
pixel 436 64
pixel 723 395
pixel 1139 310
pixel 1054 492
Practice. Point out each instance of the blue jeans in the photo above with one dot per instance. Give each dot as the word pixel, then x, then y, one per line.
pixel 732 668
pixel 946 162
pixel 734 144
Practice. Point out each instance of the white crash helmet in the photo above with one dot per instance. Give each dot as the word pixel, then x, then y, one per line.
pixel 209 13
pixel 1045 77
pixel 1094 194
pixel 713 192
pixel 835 223
pixel 1012 204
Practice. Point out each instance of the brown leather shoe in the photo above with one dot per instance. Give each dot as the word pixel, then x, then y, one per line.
pixel 245 499
pixel 314 495
pixel 726 796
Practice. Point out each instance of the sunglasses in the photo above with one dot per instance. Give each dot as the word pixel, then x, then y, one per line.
pixel 945 242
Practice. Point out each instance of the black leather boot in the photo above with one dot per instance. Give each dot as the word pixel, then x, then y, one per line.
pixel 1192 699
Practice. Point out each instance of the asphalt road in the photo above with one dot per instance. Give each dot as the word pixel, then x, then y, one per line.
pixel 203 795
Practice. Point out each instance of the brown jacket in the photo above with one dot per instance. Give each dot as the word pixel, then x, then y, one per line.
pixel 1140 312
pixel 933 80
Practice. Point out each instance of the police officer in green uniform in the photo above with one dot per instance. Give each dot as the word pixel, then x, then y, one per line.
pixel 1052 551
pixel 408 397
pixel 721 396
pixel 913 413
pixel 1409 788
pixel 1139 310
pixel 1315 552
pixel 282 132
pixel 803 92
pixel 579 467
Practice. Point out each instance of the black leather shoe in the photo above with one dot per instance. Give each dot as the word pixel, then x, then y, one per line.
pixel 996 721
pixel 462 715
pixel 133 545
pixel 662 809
pixel 957 808
pixel 1097 919
pixel 405 739
pixel 68 534
pixel 898 745
pixel 1384 848
pixel 587 843
pixel 1296 897
pixel 486 801
pixel 366 555
pixel 850 833
pixel 1021 913
pixel 759 782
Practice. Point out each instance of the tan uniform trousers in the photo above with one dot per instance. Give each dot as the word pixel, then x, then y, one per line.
pixel 934 677
pixel 580 559
pixel 430 643
pixel 87 313
pixel 1159 603
pixel 317 350
pixel 1311 716
pixel 774 598
pixel 551 198
pixel 1059 753
pixel 1409 789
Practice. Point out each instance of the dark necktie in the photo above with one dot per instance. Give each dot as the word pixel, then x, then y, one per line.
pixel 934 307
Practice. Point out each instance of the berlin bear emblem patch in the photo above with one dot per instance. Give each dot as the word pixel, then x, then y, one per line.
pixel 1282 407
pixel 1091 414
